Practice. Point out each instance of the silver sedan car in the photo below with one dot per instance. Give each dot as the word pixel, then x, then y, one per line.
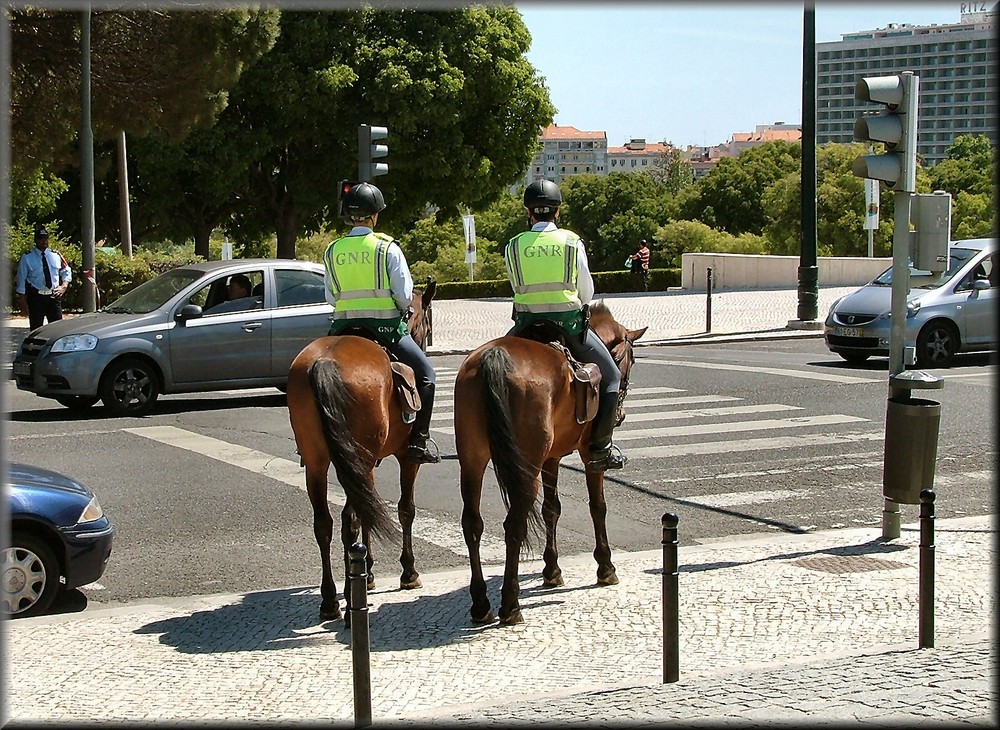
pixel 946 313
pixel 180 332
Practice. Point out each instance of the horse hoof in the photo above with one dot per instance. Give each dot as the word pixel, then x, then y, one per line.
pixel 609 580
pixel 487 619
pixel 327 614
pixel 553 582
pixel 371 585
pixel 410 584
pixel 512 619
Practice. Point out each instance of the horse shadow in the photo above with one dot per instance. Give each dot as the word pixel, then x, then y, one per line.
pixel 287 618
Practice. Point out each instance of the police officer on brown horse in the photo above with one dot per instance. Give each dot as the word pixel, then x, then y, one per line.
pixel 368 283
pixel 551 279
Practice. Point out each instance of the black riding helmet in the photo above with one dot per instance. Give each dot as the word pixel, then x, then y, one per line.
pixel 362 200
pixel 542 194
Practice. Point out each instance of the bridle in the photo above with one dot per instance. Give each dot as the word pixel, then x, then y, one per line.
pixel 620 353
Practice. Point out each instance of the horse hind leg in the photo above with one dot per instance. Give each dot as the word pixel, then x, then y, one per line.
pixel 551 509
pixel 472 529
pixel 406 511
pixel 316 486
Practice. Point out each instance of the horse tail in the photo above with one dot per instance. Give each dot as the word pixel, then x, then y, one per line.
pixel 334 403
pixel 514 475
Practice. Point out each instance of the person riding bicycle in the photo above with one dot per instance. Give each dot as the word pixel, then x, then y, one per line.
pixel 368 282
pixel 551 279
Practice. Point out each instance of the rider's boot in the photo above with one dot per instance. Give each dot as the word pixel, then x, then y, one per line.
pixel 420 433
pixel 603 455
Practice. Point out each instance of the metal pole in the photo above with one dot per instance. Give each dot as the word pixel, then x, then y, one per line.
pixel 124 211
pixel 808 309
pixel 671 632
pixel 708 301
pixel 89 278
pixel 926 597
pixel 360 650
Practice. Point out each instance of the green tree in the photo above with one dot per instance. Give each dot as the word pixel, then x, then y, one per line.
pixel 150 70
pixel 970 166
pixel 462 104
pixel 612 214
pixel 729 197
pixel 672 170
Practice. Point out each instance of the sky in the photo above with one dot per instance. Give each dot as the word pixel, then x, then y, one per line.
pixel 690 73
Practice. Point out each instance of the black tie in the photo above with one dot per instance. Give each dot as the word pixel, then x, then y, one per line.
pixel 45 270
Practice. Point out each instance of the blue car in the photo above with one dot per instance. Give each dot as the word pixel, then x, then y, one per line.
pixel 60 538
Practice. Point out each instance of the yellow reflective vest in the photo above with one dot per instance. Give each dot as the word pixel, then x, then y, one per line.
pixel 543 272
pixel 356 267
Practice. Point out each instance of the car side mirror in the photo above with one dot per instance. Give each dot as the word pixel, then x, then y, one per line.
pixel 188 311
pixel 980 284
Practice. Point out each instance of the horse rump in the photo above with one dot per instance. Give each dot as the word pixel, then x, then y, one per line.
pixel 515 475
pixel 354 473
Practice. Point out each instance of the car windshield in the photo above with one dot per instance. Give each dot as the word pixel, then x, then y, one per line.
pixel 920 279
pixel 154 293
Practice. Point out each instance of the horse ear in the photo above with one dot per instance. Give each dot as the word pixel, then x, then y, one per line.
pixel 634 335
pixel 429 291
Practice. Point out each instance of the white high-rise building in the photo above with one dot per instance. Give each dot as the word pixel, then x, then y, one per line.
pixel 956 63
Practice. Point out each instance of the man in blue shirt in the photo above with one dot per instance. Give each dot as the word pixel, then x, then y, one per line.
pixel 42 278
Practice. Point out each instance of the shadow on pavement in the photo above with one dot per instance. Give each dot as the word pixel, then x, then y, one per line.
pixel 163 408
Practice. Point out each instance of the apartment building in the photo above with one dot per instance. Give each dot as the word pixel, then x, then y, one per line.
pixel 567 151
pixel 637 155
pixel 956 63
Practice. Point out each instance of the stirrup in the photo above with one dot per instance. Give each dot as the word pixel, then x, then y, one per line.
pixel 422 454
pixel 613 459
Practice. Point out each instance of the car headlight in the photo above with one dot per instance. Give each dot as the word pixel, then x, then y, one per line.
pixel 912 308
pixel 74 343
pixel 92 512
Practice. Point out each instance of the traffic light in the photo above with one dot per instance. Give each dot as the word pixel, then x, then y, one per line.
pixel 369 150
pixel 345 188
pixel 896 128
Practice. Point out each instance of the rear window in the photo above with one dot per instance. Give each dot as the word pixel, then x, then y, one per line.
pixel 296 288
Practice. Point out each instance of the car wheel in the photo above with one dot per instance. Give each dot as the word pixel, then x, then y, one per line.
pixel 129 388
pixel 937 344
pixel 30 576
pixel 76 402
pixel 855 358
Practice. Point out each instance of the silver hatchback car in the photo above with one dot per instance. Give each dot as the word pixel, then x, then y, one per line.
pixel 180 332
pixel 946 313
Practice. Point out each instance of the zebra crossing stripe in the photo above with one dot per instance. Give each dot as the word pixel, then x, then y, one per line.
pixel 728 447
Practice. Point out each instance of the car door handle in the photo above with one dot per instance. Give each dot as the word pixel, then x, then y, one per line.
pixel 251 326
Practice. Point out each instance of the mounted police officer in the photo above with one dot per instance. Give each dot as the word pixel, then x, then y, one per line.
pixel 368 283
pixel 551 279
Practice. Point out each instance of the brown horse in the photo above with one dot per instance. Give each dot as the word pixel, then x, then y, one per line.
pixel 344 410
pixel 514 404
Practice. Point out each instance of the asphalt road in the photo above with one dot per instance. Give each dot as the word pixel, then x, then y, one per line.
pixel 207 497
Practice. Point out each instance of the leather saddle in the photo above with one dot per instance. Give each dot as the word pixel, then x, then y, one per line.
pixel 402 374
pixel 586 376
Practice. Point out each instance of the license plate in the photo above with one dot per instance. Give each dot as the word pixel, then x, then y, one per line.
pixel 22 368
pixel 848 332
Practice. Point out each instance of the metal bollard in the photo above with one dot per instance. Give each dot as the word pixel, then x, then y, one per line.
pixel 925 600
pixel 671 633
pixel 708 300
pixel 360 650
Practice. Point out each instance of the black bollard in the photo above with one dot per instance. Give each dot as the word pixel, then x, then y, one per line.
pixel 708 301
pixel 360 650
pixel 925 600
pixel 671 632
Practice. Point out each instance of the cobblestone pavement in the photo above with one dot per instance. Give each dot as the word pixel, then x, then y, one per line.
pixel 675 315
pixel 819 627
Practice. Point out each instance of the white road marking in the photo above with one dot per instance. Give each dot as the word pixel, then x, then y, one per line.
pixel 705 413
pixel 443 534
pixel 741 498
pixel 726 447
pixel 807 374
pixel 736 426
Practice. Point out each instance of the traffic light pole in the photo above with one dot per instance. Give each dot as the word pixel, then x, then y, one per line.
pixel 900 281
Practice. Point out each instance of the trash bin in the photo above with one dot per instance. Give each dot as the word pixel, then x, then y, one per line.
pixel 911 438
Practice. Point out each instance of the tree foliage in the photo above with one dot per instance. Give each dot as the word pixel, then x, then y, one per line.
pixel 151 70
pixel 454 88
